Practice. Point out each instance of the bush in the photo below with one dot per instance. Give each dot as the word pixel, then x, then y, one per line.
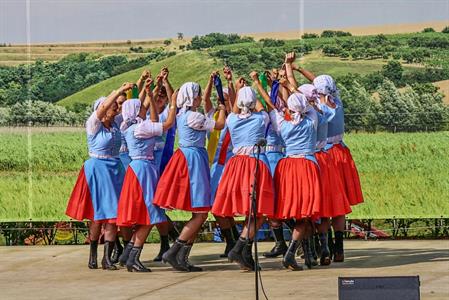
pixel 428 29
pixel 445 29
pixel 310 36
pixel 334 33
pixel 167 42
pixel 272 43
pixel 216 39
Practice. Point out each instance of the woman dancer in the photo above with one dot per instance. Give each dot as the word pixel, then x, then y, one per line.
pixel 247 125
pixel 136 200
pixel 185 183
pixel 96 192
pixel 297 177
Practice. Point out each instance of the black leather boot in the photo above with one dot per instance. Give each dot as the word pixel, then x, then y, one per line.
pixel 235 255
pixel 235 232
pixel 229 239
pixel 118 250
pixel 248 256
pixel 325 257
pixel 106 262
pixel 339 255
pixel 308 256
pixel 124 257
pixel 170 255
pixel 164 248
pixel 313 254
pixel 182 259
pixel 330 242
pixel 93 255
pixel 289 260
pixel 280 247
pixel 133 263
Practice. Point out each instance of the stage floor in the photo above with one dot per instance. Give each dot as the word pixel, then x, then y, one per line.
pixel 60 272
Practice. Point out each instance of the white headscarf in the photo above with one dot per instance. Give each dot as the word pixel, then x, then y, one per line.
pixel 246 101
pixel 130 112
pixel 309 90
pixel 187 93
pixel 98 102
pixel 298 104
pixel 325 85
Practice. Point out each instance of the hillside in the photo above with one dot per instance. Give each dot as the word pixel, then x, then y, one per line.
pixel 193 66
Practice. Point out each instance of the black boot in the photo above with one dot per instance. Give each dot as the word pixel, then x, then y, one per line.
pixel 106 262
pixel 133 263
pixel 124 257
pixel 248 256
pixel 229 239
pixel 308 257
pixel 313 254
pixel 339 255
pixel 325 258
pixel 118 250
pixel 170 255
pixel 182 259
pixel 164 248
pixel 289 260
pixel 280 247
pixel 330 242
pixel 235 255
pixel 93 255
pixel 235 232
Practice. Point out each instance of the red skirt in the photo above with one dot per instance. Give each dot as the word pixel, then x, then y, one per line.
pixel 80 205
pixel 131 206
pixel 345 169
pixel 173 188
pixel 298 188
pixel 234 190
pixel 333 201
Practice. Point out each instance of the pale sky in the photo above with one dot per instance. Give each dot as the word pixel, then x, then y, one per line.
pixel 94 20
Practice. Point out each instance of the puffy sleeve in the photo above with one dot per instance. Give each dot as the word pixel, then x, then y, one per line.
pixel 276 120
pixel 93 124
pixel 198 121
pixel 148 129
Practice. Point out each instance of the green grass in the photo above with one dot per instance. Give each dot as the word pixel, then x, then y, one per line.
pixel 187 66
pixel 403 175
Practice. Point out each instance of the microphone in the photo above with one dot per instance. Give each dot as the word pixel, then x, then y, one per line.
pixel 261 142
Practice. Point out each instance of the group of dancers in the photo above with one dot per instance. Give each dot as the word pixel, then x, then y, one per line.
pixel 306 176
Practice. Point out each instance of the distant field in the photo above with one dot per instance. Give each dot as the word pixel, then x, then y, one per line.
pixel 187 66
pixel 403 175
pixel 18 54
pixel 444 88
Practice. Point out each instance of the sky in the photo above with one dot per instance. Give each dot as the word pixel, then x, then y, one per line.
pixel 46 21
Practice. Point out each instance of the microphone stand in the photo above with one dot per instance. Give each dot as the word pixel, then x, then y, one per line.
pixel 253 212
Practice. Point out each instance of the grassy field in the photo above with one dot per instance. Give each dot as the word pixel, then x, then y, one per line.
pixel 187 66
pixel 403 175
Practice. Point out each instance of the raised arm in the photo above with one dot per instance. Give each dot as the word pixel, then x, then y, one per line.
pixel 307 74
pixel 239 83
pixel 231 90
pixel 221 120
pixel 149 103
pixel 289 59
pixel 103 108
pixel 255 77
pixel 208 92
pixel 141 82
pixel 171 113
pixel 166 83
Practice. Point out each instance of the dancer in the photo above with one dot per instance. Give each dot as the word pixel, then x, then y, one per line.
pixel 247 125
pixel 100 180
pixel 223 153
pixel 296 177
pixel 136 200
pixel 185 183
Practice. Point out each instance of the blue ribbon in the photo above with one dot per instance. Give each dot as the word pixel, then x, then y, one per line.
pixel 219 88
pixel 167 153
pixel 274 97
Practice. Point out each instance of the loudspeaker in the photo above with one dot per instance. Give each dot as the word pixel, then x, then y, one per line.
pixel 379 288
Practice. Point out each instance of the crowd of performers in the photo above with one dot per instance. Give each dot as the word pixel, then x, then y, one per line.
pixel 307 178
